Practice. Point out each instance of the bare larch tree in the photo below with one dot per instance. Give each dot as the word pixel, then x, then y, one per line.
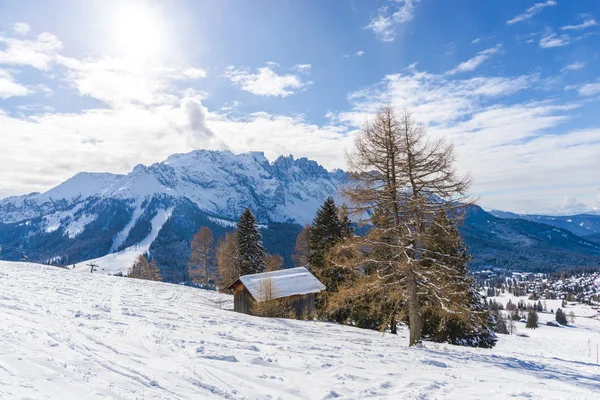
pixel 401 181
pixel 199 263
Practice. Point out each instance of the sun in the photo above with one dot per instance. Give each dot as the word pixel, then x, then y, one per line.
pixel 140 33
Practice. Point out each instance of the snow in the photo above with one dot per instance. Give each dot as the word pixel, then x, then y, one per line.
pixel 67 335
pixel 123 260
pixel 80 186
pixel 122 235
pixel 283 283
pixel 223 222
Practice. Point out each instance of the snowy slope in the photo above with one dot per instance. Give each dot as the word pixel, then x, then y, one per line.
pixel 122 261
pixel 69 335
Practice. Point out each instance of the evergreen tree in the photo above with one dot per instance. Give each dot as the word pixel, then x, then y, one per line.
pixel 500 323
pixel 532 319
pixel 325 231
pixel 470 322
pixel 561 317
pixel 250 252
pixel 330 226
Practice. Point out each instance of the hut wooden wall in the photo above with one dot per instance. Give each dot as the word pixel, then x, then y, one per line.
pixel 242 300
pixel 302 305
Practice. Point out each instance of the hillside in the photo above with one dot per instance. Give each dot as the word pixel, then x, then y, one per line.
pixel 522 245
pixel 93 336
pixel 584 225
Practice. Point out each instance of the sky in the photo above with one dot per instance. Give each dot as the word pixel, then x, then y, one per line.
pixel 101 86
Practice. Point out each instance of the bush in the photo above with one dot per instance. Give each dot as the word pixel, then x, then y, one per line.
pixel 561 317
pixel 532 320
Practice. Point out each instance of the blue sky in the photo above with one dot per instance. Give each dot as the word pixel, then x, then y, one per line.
pixel 103 86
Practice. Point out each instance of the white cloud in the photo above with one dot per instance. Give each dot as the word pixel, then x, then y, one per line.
pixel 264 82
pixel 583 25
pixel 38 53
pixel 116 82
pixel 360 53
pixel 303 68
pixel 476 41
pixel 550 39
pixel 589 89
pixel 193 73
pixel 10 88
pixel 531 11
pixel 509 147
pixel 476 61
pixel 21 28
pixel 384 24
pixel 574 66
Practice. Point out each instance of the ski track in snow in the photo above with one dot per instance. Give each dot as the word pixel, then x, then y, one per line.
pixel 123 260
pixel 70 335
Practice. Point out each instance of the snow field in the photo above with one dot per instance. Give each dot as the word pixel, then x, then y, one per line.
pixel 69 335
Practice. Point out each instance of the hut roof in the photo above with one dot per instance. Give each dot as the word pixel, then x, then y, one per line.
pixel 283 283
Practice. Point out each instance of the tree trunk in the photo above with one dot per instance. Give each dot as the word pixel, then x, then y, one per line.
pixel 414 312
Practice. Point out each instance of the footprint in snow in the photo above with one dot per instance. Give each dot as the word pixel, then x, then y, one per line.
pixel 438 364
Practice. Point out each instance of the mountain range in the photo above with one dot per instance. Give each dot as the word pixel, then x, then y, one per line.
pixel 158 208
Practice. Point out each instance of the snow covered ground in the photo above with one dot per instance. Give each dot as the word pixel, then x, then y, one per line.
pixel 70 335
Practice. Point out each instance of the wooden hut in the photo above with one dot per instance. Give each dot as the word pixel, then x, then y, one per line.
pixel 294 287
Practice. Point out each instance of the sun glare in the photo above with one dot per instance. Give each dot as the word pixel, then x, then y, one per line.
pixel 140 32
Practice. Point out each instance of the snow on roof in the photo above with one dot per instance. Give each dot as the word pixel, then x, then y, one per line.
pixel 283 283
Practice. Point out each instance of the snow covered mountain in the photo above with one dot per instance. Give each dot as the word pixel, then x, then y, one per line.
pixel 218 182
pixel 92 215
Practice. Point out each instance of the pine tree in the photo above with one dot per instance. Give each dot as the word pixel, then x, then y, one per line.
pixel 325 231
pixel 250 253
pixel 501 324
pixel 469 321
pixel 532 319
pixel 561 317
pixel 572 316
